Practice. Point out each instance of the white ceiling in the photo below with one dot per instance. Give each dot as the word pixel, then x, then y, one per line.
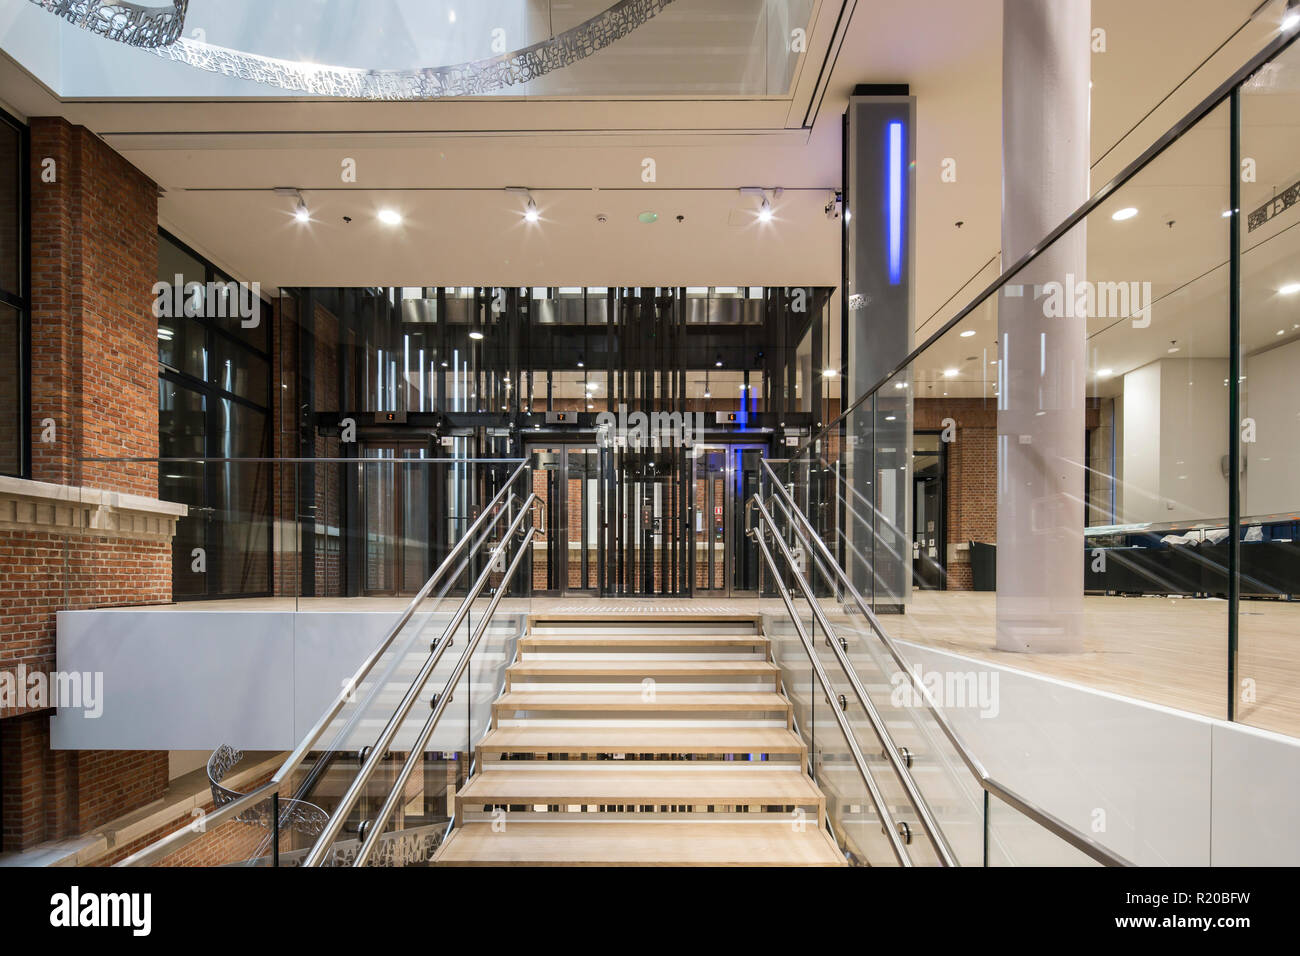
pixel 445 164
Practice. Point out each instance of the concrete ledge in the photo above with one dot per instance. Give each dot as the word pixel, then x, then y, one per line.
pixel 70 509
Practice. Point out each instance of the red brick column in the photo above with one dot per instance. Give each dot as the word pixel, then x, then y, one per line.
pixel 94 250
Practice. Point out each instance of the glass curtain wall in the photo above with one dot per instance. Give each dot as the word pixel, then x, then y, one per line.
pixel 1178 514
pixel 214 384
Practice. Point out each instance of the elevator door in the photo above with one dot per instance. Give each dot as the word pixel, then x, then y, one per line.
pixel 725 478
pixel 647 511
pixel 566 556
pixel 396 515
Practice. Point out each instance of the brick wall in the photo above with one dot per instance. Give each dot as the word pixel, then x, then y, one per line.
pixel 95 372
pixel 94 249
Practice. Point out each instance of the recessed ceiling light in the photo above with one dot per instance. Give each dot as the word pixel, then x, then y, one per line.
pixel 390 217
pixel 451 16
pixel 1128 212
pixel 891 418
pixel 1105 372
pixel 1290 289
pixel 649 217
pixel 476 335
pixel 1281 331
pixel 949 372
pixel 968 333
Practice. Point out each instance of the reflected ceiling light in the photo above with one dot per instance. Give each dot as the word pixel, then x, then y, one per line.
pixel 1291 18
pixel 968 333
pixel 1227 213
pixel 1290 288
pixel 1128 212
pixel 891 418
pixel 390 217
pixel 829 373
pixel 1281 331
pixel 949 373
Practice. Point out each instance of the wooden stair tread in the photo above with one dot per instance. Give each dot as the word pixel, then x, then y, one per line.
pixel 639 844
pixel 686 739
pixel 641 668
pixel 632 700
pixel 642 640
pixel 621 786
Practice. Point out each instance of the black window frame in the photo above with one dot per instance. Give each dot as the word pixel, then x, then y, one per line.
pixel 21 300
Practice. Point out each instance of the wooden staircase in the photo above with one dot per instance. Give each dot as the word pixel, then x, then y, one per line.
pixel 634 742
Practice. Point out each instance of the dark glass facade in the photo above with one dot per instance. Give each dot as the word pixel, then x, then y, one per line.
pixel 214 384
pixel 14 394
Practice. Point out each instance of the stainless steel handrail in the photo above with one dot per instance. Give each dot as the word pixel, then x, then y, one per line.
pixel 380 749
pixel 1061 829
pixel 919 804
pixel 174 841
pixel 376 826
pixel 873 789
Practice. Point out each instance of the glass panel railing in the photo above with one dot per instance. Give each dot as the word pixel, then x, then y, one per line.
pixel 436 708
pixel 1074 478
pixel 356 710
pixel 1014 839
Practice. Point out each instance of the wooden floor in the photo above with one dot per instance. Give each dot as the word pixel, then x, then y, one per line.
pixel 641 742
pixel 1170 651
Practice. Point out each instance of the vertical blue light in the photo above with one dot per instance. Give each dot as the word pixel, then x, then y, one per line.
pixel 895 203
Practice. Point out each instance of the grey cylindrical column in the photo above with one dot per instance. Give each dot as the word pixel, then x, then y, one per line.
pixel 1043 367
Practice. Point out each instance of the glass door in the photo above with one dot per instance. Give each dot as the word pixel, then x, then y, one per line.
pixel 725 478
pixel 928 531
pixel 395 509
pixel 566 553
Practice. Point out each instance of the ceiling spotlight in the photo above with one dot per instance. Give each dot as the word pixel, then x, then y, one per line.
pixel 717 363
pixel 968 333
pixel 1290 289
pixel 707 393
pixel 1128 212
pixel 300 212
pixel 581 363
pixel 390 217
pixel 530 212
pixel 765 211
